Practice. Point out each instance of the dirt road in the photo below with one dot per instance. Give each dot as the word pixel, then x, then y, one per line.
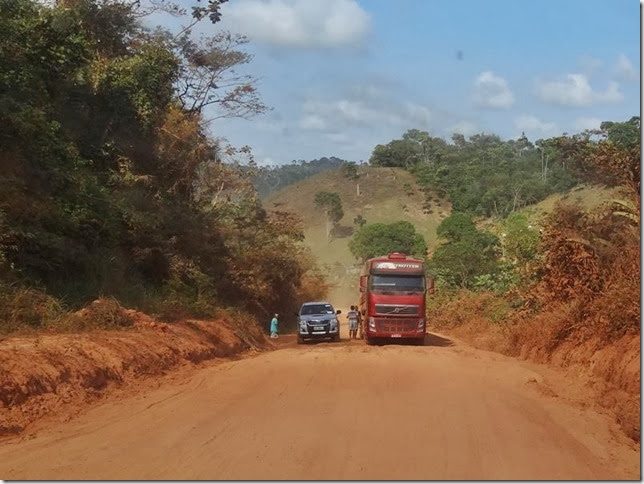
pixel 336 411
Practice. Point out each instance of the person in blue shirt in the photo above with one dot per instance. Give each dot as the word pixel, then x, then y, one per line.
pixel 274 326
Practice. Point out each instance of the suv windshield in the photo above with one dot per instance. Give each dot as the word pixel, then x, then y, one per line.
pixel 382 284
pixel 317 309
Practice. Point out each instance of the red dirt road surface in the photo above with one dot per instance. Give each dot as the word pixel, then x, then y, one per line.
pixel 336 411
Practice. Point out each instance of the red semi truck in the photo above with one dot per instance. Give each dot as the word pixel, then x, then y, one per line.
pixel 392 299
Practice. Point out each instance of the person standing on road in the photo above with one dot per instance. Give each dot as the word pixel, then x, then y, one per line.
pixel 352 317
pixel 274 323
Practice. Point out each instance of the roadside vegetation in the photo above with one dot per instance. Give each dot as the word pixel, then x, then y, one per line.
pixel 110 186
pixel 562 287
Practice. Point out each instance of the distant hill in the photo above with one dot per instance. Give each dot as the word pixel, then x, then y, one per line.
pixel 386 195
pixel 268 180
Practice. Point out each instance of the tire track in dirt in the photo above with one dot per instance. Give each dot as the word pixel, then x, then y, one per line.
pixel 336 411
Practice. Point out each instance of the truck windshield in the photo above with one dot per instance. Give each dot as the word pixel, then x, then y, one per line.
pixel 317 309
pixel 390 284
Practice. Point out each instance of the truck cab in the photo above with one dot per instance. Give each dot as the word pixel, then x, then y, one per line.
pixel 393 295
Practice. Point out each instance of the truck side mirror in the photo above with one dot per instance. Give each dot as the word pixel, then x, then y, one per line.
pixel 430 288
pixel 363 282
pixel 297 315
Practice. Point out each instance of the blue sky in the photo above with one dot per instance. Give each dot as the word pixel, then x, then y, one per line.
pixel 344 75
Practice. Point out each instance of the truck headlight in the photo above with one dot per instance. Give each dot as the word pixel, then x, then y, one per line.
pixel 372 323
pixel 421 323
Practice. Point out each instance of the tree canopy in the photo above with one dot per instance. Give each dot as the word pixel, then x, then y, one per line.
pixel 110 183
pixel 465 253
pixel 379 239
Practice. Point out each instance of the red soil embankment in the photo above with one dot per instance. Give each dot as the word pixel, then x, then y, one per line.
pixel 56 374
pixel 609 370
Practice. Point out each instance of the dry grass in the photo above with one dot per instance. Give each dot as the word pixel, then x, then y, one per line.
pixel 382 199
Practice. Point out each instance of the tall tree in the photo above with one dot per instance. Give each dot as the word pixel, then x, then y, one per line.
pixel 381 239
pixel 331 204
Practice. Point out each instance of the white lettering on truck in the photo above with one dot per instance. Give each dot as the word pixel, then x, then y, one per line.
pixel 394 265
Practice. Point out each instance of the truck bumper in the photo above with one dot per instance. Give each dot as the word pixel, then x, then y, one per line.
pixel 418 334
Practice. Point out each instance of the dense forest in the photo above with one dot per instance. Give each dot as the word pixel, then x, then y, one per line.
pixel 482 175
pixel 110 186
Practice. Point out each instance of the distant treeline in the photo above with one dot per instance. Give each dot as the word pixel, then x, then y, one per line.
pixel 268 180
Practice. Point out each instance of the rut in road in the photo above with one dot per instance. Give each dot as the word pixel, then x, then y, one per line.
pixel 336 411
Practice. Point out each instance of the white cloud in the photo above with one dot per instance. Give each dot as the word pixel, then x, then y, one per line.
pixel 582 124
pixel 534 126
pixel 418 115
pixel 300 23
pixel 575 90
pixel 271 127
pixel 624 69
pixel 465 128
pixel 589 65
pixel 313 122
pixel 492 91
pixel 320 114
pixel 339 137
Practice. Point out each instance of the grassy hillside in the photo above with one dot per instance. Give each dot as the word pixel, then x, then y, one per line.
pixel 589 197
pixel 386 195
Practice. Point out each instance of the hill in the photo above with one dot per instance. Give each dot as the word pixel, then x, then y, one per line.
pixel 386 195
pixel 271 179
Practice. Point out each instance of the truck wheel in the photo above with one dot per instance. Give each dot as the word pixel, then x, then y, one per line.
pixel 299 340
pixel 369 341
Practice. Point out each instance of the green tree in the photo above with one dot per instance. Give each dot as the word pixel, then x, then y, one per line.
pixel 110 184
pixel 456 227
pixel 359 220
pixel 466 254
pixel 625 135
pixel 397 153
pixel 331 204
pixel 381 239
pixel 520 239
pixel 350 170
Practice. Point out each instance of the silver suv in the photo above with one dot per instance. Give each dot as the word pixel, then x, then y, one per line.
pixel 318 320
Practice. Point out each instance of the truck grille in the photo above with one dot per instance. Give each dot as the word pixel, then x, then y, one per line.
pixel 398 309
pixel 396 325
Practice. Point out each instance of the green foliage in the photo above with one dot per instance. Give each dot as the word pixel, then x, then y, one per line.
pixel 350 170
pixel 481 175
pixel 331 204
pixel 625 135
pixel 359 220
pixel 456 227
pixel 381 239
pixel 499 282
pixel 467 253
pixel 520 239
pixel 110 185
